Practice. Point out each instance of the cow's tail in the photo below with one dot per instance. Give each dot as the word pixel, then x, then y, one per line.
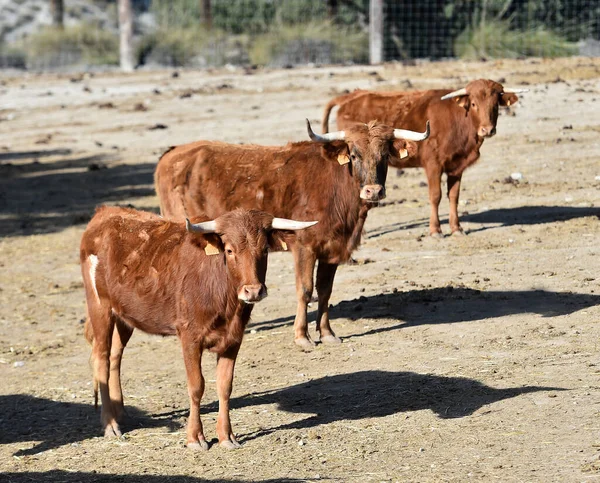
pixel 161 190
pixel 330 105
pixel 337 101
pixel 88 331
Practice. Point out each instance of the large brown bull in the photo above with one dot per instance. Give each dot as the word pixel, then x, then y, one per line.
pixel 460 122
pixel 194 281
pixel 335 179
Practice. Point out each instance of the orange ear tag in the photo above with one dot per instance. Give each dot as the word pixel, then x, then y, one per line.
pixel 403 153
pixel 508 103
pixel 343 159
pixel 210 249
pixel 284 245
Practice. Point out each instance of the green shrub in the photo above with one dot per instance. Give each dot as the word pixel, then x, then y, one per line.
pixel 12 57
pixel 192 46
pixel 496 39
pixel 80 44
pixel 313 42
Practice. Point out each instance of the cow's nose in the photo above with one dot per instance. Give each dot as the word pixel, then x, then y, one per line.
pixel 486 131
pixel 253 293
pixel 372 192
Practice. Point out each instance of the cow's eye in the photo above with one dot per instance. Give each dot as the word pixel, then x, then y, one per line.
pixel 229 251
pixel 472 104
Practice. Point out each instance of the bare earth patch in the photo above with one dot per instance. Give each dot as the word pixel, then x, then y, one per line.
pixel 471 358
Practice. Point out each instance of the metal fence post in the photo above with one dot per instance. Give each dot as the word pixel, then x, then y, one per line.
pixel 376 31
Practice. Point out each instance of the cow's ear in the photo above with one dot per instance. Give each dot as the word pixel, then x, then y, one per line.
pixel 508 99
pixel 211 243
pixel 403 149
pixel 463 101
pixel 280 240
pixel 335 150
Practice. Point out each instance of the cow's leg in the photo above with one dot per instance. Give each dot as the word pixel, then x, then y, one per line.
pixel 121 336
pixel 192 355
pixel 434 179
pixel 305 266
pixel 225 367
pixel 453 194
pixel 103 326
pixel 325 275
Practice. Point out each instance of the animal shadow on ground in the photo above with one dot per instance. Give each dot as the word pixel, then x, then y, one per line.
pixel 522 215
pixel 376 394
pixel 78 477
pixel 529 215
pixel 26 418
pixel 447 305
pixel 48 197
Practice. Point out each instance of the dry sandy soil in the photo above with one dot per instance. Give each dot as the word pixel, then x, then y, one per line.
pixel 463 359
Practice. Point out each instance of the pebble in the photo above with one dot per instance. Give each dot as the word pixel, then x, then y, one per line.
pixel 516 176
pixel 568 199
pixel 597 178
pixel 19 364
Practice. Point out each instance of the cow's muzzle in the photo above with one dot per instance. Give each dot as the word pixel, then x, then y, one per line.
pixel 372 192
pixel 252 293
pixel 486 131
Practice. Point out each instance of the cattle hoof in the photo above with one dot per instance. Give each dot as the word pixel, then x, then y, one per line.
pixel 330 339
pixel 459 233
pixel 305 344
pixel 112 431
pixel 230 444
pixel 198 446
pixel 437 235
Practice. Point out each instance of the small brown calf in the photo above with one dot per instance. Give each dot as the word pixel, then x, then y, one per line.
pixel 196 281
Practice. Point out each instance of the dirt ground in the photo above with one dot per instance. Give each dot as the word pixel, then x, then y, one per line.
pixel 463 359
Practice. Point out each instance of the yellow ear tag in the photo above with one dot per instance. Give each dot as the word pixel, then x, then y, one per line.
pixel 284 245
pixel 210 249
pixel 508 103
pixel 403 153
pixel 343 159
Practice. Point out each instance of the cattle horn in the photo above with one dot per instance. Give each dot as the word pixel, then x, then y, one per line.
pixel 514 91
pixel 204 227
pixel 285 224
pixel 412 135
pixel 325 138
pixel 458 93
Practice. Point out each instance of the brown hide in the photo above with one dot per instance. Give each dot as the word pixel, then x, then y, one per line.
pixel 458 127
pixel 158 278
pixel 454 137
pixel 141 271
pixel 303 181
pixel 334 182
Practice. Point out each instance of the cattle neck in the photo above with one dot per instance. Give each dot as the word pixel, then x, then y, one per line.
pixel 219 289
pixel 348 212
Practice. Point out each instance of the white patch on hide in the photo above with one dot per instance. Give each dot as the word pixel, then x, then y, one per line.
pixel 93 260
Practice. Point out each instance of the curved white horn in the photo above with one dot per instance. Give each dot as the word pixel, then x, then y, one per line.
pixel 325 138
pixel 285 224
pixel 458 93
pixel 204 227
pixel 514 91
pixel 412 135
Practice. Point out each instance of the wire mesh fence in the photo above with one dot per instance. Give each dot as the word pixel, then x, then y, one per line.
pixel 205 33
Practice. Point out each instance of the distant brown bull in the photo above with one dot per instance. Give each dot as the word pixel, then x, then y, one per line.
pixel 335 179
pixel 460 122
pixel 194 281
